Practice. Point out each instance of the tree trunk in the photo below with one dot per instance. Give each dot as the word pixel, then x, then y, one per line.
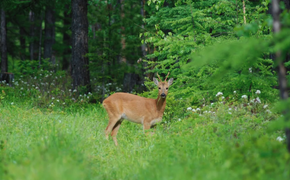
pixel 66 38
pixel 287 4
pixel 281 68
pixel 80 63
pixel 22 43
pixel 49 33
pixel 31 42
pixel 123 38
pixel 244 12
pixel 40 39
pixel 4 62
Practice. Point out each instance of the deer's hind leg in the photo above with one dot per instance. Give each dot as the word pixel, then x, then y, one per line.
pixel 113 120
pixel 115 131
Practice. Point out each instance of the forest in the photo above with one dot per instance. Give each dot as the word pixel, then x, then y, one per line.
pixel 227 113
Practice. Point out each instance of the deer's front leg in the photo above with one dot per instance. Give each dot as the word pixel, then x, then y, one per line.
pixel 146 126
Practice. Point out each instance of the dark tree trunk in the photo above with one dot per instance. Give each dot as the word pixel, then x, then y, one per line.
pixel 281 68
pixel 66 38
pixel 40 39
pixel 80 63
pixel 49 33
pixel 22 43
pixel 7 77
pixel 143 46
pixel 287 4
pixel 4 62
pixel 31 42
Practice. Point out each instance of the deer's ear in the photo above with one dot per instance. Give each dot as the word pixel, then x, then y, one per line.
pixel 155 81
pixel 170 81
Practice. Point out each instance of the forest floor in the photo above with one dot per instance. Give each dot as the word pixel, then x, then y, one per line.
pixel 37 144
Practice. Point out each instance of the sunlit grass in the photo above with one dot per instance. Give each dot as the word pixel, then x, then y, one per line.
pixel 37 144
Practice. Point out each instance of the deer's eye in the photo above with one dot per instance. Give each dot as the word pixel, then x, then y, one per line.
pixel 166 88
pixel 159 88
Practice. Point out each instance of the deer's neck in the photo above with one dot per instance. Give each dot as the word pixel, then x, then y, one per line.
pixel 160 104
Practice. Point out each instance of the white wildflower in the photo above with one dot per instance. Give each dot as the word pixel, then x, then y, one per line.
pixel 235 92
pixel 179 119
pixel 244 96
pixel 74 90
pixel 12 103
pixel 197 109
pixel 193 110
pixel 279 138
pixel 258 100
pixel 219 94
pixel 265 106
pixel 230 109
pixel 258 92
pixel 268 111
pixel 57 100
pixel 189 108
pixel 230 113
pixel 250 70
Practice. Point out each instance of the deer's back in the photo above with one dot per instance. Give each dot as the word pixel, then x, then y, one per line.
pixel 130 107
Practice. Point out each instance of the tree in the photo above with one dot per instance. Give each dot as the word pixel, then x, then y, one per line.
pixel 4 62
pixel 281 67
pixel 66 38
pixel 80 62
pixel 49 33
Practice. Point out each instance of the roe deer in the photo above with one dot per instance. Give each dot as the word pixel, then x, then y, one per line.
pixel 148 112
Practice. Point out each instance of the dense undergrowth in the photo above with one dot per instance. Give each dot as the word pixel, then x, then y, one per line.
pixel 223 140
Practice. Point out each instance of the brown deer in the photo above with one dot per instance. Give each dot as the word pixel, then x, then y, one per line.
pixel 148 112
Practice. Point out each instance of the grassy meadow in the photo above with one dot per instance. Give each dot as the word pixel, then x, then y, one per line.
pixel 70 144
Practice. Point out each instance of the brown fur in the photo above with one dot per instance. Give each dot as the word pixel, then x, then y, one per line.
pixel 136 109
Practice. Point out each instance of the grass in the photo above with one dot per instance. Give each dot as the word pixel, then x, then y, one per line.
pixel 70 144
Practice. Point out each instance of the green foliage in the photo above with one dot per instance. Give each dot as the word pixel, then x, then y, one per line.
pixel 207 49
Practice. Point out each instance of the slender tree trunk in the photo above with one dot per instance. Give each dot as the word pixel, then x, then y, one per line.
pixel 80 63
pixel 31 42
pixel 244 11
pixel 40 39
pixel 143 46
pixel 66 39
pixel 49 34
pixel 22 43
pixel 123 41
pixel 281 68
pixel 4 62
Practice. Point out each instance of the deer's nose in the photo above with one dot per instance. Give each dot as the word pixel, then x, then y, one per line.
pixel 163 95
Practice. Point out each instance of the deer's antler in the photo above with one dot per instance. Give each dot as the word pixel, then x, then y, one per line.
pixel 159 77
pixel 167 76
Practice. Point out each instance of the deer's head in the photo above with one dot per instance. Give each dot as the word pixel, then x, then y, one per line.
pixel 163 86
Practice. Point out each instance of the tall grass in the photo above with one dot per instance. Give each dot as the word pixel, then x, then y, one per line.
pixel 70 144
